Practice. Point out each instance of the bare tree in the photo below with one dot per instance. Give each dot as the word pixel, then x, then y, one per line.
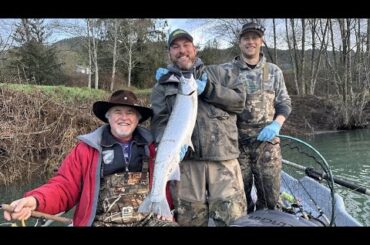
pixel 93 31
pixel 292 56
pixel 303 57
pixel 111 35
pixel 229 28
pixel 114 61
pixel 332 63
pixel 358 55
pixel 128 43
pixel 274 37
pixel 315 60
pixel 89 52
pixel 352 97
pixel 6 33
pixel 6 41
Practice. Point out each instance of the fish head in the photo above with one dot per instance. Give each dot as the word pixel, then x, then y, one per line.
pixel 187 86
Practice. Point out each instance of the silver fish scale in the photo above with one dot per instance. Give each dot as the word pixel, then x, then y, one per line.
pixel 176 134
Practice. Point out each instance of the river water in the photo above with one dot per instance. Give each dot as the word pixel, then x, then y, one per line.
pixel 347 152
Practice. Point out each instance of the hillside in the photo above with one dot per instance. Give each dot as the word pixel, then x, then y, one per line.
pixel 75 44
pixel 71 52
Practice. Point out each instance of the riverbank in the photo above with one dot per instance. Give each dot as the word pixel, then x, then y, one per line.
pixel 39 127
pixel 313 115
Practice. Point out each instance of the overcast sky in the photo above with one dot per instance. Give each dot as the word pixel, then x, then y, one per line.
pixel 198 29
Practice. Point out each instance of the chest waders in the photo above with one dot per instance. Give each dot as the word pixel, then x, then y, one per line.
pixel 120 197
pixel 259 106
pixel 260 161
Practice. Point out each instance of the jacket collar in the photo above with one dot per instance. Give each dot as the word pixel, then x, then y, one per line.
pixel 108 140
pixel 94 139
pixel 239 61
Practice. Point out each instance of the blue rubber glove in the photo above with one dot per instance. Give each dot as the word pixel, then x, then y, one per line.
pixel 160 72
pixel 183 151
pixel 201 83
pixel 269 132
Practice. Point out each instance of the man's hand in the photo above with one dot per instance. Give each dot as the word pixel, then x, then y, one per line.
pixel 201 83
pixel 22 209
pixel 183 151
pixel 160 72
pixel 269 132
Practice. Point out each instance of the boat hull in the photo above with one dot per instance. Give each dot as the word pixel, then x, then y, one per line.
pixel 305 190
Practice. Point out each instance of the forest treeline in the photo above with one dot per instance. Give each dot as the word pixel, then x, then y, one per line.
pixel 323 57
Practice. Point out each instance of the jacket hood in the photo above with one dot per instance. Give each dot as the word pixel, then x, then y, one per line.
pixel 94 138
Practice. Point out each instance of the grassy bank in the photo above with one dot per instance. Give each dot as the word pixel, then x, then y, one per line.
pixel 68 94
pixel 59 93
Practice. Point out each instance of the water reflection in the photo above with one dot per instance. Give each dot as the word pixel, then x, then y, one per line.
pixel 349 157
pixel 16 191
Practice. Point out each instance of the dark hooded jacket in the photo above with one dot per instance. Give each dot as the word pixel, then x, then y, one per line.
pixel 215 136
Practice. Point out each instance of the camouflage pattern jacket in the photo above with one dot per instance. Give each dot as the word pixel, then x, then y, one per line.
pixel 215 136
pixel 252 80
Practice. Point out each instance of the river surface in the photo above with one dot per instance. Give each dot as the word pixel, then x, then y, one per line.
pixel 348 154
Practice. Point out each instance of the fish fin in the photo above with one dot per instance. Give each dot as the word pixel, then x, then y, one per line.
pixel 175 175
pixel 190 144
pixel 146 206
pixel 162 208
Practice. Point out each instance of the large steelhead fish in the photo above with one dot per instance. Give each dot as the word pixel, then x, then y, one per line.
pixel 176 134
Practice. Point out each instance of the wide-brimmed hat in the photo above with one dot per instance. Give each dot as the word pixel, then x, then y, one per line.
pixel 252 27
pixel 177 34
pixel 119 98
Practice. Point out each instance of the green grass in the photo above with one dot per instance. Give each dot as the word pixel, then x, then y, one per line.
pixel 69 94
pixel 140 92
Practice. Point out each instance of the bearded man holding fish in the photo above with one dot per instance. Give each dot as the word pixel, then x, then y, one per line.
pixel 210 185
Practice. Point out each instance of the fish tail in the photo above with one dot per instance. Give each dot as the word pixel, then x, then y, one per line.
pixel 162 208
pixel 146 206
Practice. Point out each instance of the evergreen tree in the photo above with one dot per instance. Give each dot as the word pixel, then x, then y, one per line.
pixel 33 61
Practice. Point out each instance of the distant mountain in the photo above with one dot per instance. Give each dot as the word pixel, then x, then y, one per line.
pixel 72 52
pixel 76 44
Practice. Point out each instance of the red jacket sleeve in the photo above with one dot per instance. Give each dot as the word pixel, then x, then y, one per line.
pixel 151 171
pixel 63 191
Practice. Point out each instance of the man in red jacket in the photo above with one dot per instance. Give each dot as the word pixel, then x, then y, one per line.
pixel 106 175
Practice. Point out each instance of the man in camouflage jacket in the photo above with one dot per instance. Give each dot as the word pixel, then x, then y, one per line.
pixel 267 107
pixel 210 181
